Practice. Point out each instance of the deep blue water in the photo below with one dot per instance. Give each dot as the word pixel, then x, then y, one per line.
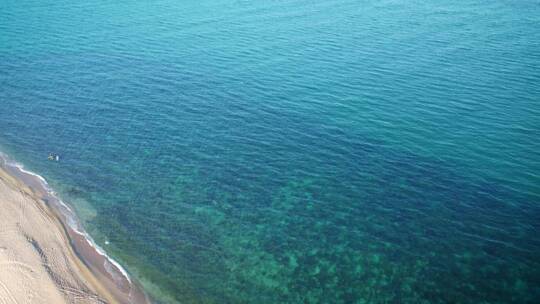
pixel 289 151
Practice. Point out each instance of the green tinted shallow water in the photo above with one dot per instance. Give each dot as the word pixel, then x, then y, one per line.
pixel 289 151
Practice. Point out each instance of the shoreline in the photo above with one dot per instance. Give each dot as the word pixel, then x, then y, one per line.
pixel 106 277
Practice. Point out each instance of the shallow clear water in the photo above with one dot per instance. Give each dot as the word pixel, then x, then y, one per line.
pixel 289 151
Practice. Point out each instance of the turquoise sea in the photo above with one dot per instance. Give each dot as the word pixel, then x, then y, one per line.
pixel 289 151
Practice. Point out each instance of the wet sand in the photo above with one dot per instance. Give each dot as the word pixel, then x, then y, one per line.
pixel 45 256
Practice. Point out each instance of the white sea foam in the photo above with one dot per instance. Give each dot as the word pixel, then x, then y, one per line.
pixel 104 254
pixel 21 168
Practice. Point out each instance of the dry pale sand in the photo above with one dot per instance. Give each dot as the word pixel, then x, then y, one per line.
pixel 37 262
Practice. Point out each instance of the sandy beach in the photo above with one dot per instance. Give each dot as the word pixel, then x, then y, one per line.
pixel 39 259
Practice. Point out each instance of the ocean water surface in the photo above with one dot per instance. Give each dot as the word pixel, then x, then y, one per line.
pixel 289 151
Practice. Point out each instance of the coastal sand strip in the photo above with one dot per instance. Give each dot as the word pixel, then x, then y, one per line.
pixel 37 262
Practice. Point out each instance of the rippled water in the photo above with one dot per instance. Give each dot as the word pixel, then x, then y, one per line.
pixel 289 151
